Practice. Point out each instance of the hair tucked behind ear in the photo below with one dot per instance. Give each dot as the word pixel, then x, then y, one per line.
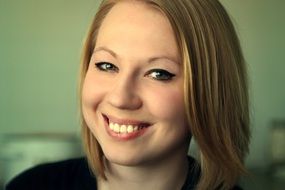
pixel 216 92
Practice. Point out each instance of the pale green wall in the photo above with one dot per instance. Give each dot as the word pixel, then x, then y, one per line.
pixel 40 44
pixel 261 27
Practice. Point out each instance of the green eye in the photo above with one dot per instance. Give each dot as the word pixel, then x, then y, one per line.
pixel 107 67
pixel 160 74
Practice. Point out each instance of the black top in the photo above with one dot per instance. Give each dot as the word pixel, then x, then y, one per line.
pixel 74 174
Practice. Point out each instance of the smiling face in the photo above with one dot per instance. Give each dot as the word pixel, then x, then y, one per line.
pixel 132 96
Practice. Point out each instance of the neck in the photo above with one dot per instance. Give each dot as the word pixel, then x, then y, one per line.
pixel 168 174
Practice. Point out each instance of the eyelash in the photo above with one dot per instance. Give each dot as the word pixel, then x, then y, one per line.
pixel 160 74
pixel 107 67
pixel 156 74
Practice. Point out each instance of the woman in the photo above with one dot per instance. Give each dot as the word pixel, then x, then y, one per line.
pixel 154 75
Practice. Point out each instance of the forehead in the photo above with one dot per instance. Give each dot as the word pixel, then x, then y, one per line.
pixel 137 25
pixel 134 11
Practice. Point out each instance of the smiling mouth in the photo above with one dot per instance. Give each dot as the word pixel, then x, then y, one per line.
pixel 124 127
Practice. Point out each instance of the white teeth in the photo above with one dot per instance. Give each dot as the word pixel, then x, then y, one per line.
pixel 123 128
pixel 111 125
pixel 130 129
pixel 116 128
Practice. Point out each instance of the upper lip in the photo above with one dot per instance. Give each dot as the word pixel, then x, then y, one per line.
pixel 119 121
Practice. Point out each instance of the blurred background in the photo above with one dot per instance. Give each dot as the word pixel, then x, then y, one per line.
pixel 40 45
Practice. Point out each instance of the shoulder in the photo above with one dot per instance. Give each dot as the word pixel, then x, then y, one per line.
pixel 237 188
pixel 67 174
pixel 193 176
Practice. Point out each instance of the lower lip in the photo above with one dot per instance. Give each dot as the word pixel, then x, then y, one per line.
pixel 124 136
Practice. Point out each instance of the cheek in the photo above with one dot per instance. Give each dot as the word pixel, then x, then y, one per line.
pixel 92 93
pixel 87 92
pixel 167 103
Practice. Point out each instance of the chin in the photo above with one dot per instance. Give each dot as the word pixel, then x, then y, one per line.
pixel 123 159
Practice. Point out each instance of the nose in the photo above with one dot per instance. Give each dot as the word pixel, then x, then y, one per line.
pixel 124 94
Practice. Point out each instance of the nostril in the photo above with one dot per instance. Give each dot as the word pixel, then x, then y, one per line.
pixel 124 97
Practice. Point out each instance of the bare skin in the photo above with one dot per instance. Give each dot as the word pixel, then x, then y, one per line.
pixel 169 175
pixel 135 52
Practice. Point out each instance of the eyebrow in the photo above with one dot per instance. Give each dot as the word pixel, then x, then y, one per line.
pixel 154 59
pixel 107 50
pixel 151 60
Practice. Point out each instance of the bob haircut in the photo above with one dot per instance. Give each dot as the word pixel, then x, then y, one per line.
pixel 215 87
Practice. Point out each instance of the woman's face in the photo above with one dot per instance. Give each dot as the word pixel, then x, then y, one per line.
pixel 132 98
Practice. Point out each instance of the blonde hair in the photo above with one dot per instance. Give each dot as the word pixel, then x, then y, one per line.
pixel 216 92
